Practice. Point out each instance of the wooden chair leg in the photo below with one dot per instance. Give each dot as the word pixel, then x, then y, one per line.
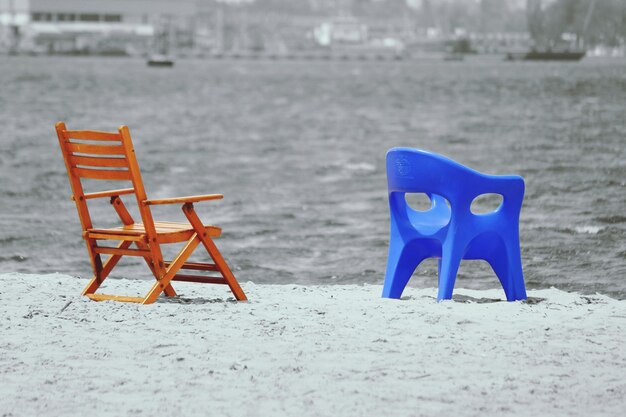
pixel 169 290
pixel 215 254
pixel 105 270
pixel 174 267
pixel 224 269
pixel 127 219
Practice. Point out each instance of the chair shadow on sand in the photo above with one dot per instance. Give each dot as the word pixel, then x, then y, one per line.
pixel 459 298
pixel 195 300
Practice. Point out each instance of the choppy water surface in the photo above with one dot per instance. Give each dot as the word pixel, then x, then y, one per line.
pixel 298 149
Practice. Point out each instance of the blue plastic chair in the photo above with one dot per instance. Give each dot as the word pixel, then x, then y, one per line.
pixel 450 232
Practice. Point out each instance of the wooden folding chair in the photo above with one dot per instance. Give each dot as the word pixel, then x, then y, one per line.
pixel 110 156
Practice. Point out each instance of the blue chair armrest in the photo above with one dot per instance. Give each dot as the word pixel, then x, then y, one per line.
pixel 511 187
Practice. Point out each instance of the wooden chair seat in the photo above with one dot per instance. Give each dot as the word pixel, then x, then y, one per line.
pixel 167 232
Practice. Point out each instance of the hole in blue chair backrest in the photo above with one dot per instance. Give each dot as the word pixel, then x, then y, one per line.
pixel 418 201
pixel 486 203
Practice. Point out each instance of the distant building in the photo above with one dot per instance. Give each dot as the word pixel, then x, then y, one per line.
pixel 71 26
pixel 341 30
pixel 500 42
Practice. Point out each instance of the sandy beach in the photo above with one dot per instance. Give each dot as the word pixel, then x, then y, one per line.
pixel 307 351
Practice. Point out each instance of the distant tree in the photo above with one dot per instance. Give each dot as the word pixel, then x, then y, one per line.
pixel 534 17
pixel 427 18
pixel 607 24
pixel 592 21
pixel 380 8
pixel 622 24
pixel 493 15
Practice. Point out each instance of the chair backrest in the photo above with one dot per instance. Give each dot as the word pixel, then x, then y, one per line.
pixel 108 156
pixel 415 171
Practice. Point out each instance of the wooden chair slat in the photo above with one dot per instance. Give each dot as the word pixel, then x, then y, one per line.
pixel 197 266
pixel 132 230
pixel 112 236
pixel 139 228
pixel 175 237
pixel 118 251
pixel 199 278
pixel 167 231
pixel 122 298
pixel 101 174
pixel 92 135
pixel 185 234
pixel 98 162
pixel 85 148
pixel 109 193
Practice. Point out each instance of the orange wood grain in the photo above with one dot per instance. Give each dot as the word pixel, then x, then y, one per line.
pixel 109 193
pixel 182 200
pixel 101 174
pixel 92 161
pixel 90 149
pixel 91 135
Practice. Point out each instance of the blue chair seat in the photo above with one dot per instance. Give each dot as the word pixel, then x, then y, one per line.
pixel 449 230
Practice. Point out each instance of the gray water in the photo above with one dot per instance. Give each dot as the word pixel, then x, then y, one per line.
pixel 298 149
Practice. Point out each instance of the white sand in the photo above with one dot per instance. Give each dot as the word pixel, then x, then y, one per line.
pixel 307 351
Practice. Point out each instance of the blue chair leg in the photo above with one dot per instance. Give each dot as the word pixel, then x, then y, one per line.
pixel 451 255
pixel 507 264
pixel 517 289
pixel 401 264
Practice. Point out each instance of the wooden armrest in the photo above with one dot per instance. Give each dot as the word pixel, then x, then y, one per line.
pixel 183 200
pixel 111 193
